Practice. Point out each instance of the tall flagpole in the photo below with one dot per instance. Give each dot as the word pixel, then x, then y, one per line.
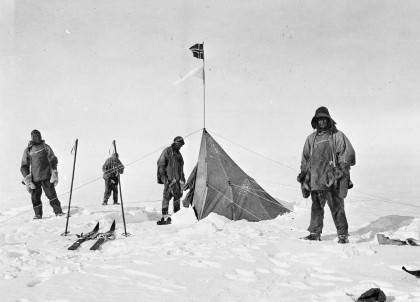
pixel 204 88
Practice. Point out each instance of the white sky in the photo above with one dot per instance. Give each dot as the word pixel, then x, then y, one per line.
pixel 103 70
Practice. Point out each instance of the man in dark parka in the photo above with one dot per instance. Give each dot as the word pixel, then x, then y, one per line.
pixel 171 174
pixel 39 169
pixel 325 173
pixel 110 168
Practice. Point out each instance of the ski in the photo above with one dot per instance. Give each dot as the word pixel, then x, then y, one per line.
pixel 162 221
pixel 110 235
pixel 84 237
pixel 414 273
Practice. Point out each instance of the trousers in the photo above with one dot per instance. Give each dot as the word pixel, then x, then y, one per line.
pixel 336 205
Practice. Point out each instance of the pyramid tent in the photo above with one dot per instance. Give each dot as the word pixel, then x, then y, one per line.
pixel 220 186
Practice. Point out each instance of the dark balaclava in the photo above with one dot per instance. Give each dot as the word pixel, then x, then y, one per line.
pixel 36 137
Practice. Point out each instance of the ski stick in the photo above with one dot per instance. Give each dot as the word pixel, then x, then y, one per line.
pixel 71 187
pixel 119 184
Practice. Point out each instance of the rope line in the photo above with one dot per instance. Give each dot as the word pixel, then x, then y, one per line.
pixel 93 180
pixel 263 156
pixel 247 190
pixel 233 201
pixel 376 198
pixel 387 200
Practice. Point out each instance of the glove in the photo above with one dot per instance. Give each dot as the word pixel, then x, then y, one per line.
pixel 54 177
pixel 165 179
pixel 301 177
pixel 29 184
pixel 112 181
pixel 182 185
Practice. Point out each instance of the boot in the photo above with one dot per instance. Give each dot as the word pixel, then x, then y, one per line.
pixel 313 237
pixel 105 202
pixel 37 217
pixel 343 239
pixel 177 206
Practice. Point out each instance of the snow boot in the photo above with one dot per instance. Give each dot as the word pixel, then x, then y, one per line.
pixel 105 203
pixel 60 214
pixel 37 217
pixel 164 220
pixel 343 239
pixel 312 237
pixel 177 206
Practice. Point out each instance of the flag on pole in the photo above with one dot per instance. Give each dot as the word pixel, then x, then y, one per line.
pixel 198 51
pixel 196 72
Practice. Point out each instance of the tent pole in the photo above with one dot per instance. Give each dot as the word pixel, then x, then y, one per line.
pixel 204 90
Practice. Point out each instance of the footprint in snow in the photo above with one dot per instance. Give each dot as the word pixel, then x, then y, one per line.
pixel 202 263
pixel 295 285
pixel 138 273
pixel 278 263
pixel 141 262
pixel 330 278
pixel 263 270
pixel 156 288
pixel 35 282
pixel 109 266
pixel 242 275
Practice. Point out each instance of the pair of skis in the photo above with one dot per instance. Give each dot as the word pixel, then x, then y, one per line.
pixel 101 237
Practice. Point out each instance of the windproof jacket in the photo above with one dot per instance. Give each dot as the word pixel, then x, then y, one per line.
pixel 170 165
pixel 317 157
pixel 110 168
pixel 39 160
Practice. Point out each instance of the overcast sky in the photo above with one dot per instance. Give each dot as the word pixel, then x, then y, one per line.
pixel 104 70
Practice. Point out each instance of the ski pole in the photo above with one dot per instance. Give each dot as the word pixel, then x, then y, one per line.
pixel 71 187
pixel 119 185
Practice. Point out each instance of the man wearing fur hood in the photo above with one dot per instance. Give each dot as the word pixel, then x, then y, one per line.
pixel 325 173
pixel 39 169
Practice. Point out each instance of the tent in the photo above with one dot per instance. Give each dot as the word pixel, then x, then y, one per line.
pixel 218 185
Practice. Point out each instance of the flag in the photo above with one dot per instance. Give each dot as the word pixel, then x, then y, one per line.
pixel 196 72
pixel 198 51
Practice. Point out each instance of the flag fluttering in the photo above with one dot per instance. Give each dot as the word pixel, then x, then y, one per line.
pixel 198 51
pixel 196 72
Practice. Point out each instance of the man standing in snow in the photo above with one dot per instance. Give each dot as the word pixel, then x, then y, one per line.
pixel 39 169
pixel 325 174
pixel 111 177
pixel 171 174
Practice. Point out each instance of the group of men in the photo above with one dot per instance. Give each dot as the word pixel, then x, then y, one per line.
pixel 325 174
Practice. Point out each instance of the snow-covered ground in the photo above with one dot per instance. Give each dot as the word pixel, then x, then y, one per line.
pixel 214 259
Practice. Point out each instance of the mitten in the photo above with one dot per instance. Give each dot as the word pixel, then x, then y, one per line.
pixel 29 184
pixel 54 177
pixel 301 177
